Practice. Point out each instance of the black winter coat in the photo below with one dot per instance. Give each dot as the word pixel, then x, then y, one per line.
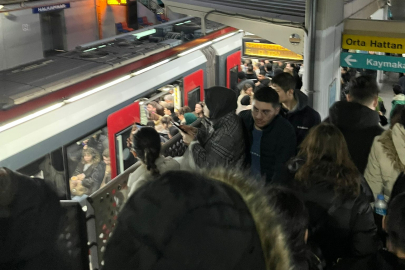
pixel 184 220
pixel 303 118
pixel 359 125
pixel 94 175
pixel 340 227
pixel 384 260
pixel 220 144
pixel 278 144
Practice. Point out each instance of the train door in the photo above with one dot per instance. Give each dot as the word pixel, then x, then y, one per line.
pixel 233 63
pixel 193 89
pixel 119 126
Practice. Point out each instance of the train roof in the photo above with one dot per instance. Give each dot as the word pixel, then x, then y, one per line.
pixel 39 78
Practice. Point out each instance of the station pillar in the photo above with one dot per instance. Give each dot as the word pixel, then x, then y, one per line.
pixel 322 53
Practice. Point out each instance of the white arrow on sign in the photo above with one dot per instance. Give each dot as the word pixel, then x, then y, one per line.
pixel 349 60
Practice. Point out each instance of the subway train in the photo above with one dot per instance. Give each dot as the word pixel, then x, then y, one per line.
pixel 52 108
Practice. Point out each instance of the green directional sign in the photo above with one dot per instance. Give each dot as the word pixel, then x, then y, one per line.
pixel 372 61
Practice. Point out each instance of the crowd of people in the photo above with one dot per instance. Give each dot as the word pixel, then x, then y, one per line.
pixel 264 184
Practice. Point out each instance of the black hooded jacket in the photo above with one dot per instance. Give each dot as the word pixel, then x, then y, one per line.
pixel 341 227
pixel 303 118
pixel 221 139
pixel 359 125
pixel 185 220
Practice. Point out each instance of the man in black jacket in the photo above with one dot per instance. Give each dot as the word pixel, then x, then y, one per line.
pixel 357 119
pixel 294 106
pixel 272 140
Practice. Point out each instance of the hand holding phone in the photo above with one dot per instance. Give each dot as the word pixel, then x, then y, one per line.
pixel 179 127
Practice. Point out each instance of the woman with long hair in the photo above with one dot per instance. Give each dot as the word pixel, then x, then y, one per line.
pixel 341 218
pixel 146 147
pixel 199 109
pixel 88 175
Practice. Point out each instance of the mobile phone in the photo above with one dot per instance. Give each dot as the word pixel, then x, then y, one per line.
pixel 178 126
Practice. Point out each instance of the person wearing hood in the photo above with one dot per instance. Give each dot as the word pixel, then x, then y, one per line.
pixel 185 220
pixel 294 106
pixel 220 140
pixel 30 219
pixel 387 156
pixel 272 140
pixel 357 119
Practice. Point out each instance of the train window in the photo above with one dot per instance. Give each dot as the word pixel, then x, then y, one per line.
pixel 88 164
pixel 124 157
pixel 50 168
pixel 193 97
pixel 233 77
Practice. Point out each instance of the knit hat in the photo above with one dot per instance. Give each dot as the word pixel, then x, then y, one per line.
pixel 190 118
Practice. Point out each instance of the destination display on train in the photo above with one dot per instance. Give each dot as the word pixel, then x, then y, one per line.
pixel 375 44
pixel 269 50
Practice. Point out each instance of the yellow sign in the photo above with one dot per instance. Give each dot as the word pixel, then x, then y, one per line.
pixel 375 44
pixel 116 2
pixel 270 50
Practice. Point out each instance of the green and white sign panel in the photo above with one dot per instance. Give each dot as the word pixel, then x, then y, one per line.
pixel 371 61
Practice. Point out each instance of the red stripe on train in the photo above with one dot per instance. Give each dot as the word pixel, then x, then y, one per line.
pixel 64 93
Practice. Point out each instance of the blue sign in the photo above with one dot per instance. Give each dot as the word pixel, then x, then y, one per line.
pixel 372 61
pixel 50 8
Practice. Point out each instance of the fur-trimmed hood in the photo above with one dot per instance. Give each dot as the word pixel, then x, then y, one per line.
pixel 271 234
pixel 393 144
pixel 215 220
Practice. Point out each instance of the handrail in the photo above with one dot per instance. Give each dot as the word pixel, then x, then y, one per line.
pixel 103 207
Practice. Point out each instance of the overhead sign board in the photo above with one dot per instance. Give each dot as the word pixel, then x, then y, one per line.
pixel 372 61
pixel 50 8
pixel 376 44
pixel 268 50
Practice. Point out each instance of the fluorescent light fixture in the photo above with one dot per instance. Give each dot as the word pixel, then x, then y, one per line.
pixel 223 37
pixel 145 33
pixel 151 67
pixel 97 89
pixel 92 49
pixel 31 116
pixel 196 48
pixel 1 6
pixel 183 23
pixel 102 46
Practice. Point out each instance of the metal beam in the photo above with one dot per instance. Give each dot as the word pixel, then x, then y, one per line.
pixel 277 32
